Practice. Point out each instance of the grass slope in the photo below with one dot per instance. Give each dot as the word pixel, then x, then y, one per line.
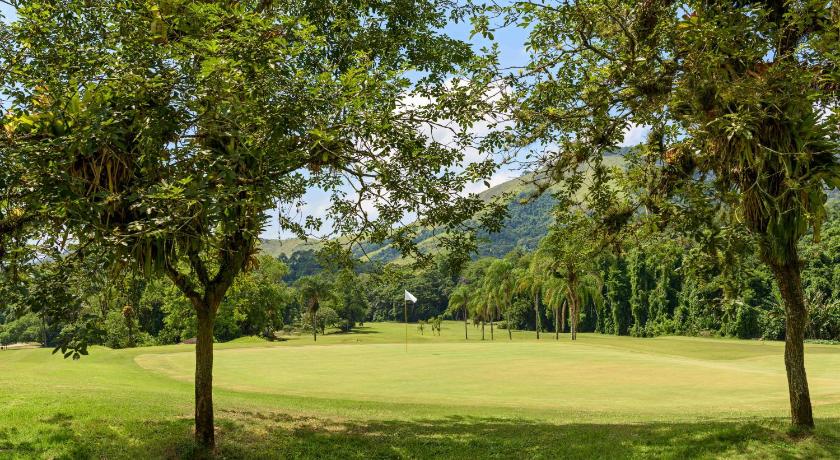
pixel 362 395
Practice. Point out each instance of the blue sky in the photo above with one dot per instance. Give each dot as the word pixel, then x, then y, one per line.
pixel 511 43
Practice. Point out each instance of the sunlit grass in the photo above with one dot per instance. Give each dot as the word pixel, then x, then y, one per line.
pixel 362 395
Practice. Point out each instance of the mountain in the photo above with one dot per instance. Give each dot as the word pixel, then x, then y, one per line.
pixel 526 224
pixel 528 221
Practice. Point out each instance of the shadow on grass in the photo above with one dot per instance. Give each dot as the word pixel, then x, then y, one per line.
pixel 358 330
pixel 276 435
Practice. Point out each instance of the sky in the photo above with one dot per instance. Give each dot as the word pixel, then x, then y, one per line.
pixel 512 53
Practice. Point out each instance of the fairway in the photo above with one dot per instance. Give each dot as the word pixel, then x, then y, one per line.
pixel 689 377
pixel 362 395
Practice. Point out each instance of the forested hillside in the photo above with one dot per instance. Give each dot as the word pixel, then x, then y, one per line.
pixel 528 221
pixel 529 217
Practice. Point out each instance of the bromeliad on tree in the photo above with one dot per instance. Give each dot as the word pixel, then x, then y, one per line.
pixel 163 132
pixel 740 96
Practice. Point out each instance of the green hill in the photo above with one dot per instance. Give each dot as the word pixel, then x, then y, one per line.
pixel 527 222
pixel 524 227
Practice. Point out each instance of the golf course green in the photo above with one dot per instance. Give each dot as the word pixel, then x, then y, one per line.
pixel 364 395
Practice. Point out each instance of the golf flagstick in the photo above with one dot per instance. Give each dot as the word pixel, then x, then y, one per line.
pixel 408 296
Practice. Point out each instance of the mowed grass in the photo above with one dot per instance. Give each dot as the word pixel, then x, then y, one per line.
pixel 362 395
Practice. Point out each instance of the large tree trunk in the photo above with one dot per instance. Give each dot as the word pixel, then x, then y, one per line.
pixel 788 277
pixel 204 433
pixel 537 313
pixel 206 304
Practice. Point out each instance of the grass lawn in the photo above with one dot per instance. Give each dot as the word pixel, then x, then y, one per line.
pixel 362 395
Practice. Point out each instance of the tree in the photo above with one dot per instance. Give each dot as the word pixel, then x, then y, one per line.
pixel 259 299
pixel 436 324
pixel 163 132
pixel 459 301
pixel 735 96
pixel 478 309
pixel 349 299
pixel 555 297
pixel 570 252
pixel 313 290
pixel 499 284
pixel 490 307
pixel 531 281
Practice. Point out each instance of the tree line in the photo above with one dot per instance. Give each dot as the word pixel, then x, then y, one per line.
pixel 655 285
pixel 122 310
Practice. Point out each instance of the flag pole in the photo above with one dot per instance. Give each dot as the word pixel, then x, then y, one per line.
pixel 405 311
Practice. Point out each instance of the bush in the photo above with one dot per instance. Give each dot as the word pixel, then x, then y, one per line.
pixel 325 317
pixel 823 317
pixel 772 323
pixel 747 323
pixel 27 328
pixel 121 330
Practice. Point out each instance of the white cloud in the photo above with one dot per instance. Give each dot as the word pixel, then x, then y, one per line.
pixel 317 202
pixel 499 177
pixel 635 135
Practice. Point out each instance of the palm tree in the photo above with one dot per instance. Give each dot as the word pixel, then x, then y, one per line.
pixel 555 297
pixel 458 301
pixel 312 290
pixel 531 281
pixel 490 307
pixel 570 252
pixel 478 310
pixel 500 285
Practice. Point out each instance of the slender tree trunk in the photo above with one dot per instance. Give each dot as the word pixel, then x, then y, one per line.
pixel 204 432
pixel 537 313
pixel 509 327
pixel 130 327
pixel 44 339
pixel 788 277
pixel 466 333
pixel 491 329
pixel 314 319
pixel 572 313
pixel 482 329
pixel 563 315
pixel 206 305
pixel 556 324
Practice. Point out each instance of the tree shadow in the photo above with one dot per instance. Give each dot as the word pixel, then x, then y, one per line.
pixel 471 437
pixel 56 431
pixel 358 330
pixel 261 435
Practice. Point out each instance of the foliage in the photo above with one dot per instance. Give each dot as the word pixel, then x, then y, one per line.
pixel 27 328
pixel 162 133
pixel 349 300
pixel 737 97
pixel 325 318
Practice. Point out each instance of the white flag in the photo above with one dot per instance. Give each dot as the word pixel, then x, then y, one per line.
pixel 410 297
